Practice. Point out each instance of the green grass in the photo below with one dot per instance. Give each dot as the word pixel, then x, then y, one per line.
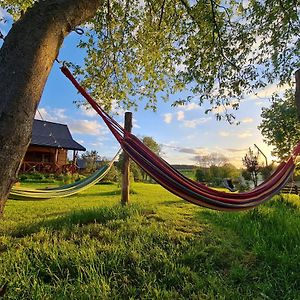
pixel 160 247
pixel 188 173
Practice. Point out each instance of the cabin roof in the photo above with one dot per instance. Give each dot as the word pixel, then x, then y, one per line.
pixel 54 135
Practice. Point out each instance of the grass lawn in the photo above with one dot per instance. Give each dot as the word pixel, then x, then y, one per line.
pixel 188 173
pixel 88 247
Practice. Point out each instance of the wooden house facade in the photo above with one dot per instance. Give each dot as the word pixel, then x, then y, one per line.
pixel 48 150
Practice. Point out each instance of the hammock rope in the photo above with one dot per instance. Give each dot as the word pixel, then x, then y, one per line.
pixel 175 182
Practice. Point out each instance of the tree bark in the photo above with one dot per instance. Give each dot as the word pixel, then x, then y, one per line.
pixel 26 58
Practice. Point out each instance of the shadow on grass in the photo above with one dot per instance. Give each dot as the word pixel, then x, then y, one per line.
pixel 100 215
pixel 109 193
pixel 99 193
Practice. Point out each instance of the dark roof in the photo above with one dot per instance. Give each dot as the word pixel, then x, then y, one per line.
pixel 53 135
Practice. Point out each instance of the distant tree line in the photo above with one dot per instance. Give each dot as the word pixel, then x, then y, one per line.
pixel 215 175
pixel 212 169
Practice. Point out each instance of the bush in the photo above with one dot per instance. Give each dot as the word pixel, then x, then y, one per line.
pixel 68 178
pixel 60 177
pixel 113 175
pixel 203 174
pixel 37 176
pixel 23 177
pixel 32 177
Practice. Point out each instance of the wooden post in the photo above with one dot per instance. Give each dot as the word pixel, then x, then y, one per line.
pixel 297 94
pixel 56 155
pixel 126 163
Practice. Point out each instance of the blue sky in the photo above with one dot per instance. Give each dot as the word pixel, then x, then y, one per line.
pixel 183 132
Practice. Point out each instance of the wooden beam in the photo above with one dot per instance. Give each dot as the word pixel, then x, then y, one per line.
pixel 126 163
pixel 56 155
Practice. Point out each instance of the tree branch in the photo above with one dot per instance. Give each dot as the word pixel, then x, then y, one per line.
pixel 161 13
pixel 217 28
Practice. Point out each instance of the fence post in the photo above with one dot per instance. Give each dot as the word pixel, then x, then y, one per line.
pixel 297 94
pixel 126 163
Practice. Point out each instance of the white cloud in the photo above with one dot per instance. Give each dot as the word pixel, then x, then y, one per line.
pixel 135 123
pixel 222 108
pixel 168 118
pixel 54 115
pixel 244 135
pixel 247 120
pixel 218 109
pixel 241 135
pixel 116 108
pixel 224 133
pixel 42 114
pixel 193 123
pixel 86 127
pixel 88 111
pixel 267 92
pixel 180 115
pixel 98 144
pixel 191 106
pixel 191 150
pixel 235 150
pixel 76 126
pixel 60 114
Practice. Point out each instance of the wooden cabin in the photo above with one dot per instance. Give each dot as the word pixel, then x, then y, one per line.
pixel 48 150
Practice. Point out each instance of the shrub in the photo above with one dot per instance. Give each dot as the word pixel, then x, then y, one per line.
pixel 113 175
pixel 23 177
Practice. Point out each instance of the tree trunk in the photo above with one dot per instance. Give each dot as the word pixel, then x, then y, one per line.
pixel 26 58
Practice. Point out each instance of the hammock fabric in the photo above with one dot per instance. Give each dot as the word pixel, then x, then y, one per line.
pixel 20 193
pixel 181 186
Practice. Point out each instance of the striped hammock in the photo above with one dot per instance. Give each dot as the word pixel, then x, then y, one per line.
pixel 23 193
pixel 185 188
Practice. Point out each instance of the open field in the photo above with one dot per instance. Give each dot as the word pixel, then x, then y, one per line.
pixel 160 247
pixel 188 173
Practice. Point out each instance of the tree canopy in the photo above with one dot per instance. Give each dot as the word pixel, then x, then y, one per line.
pixel 280 126
pixel 219 50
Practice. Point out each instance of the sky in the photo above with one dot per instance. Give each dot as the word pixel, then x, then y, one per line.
pixel 183 132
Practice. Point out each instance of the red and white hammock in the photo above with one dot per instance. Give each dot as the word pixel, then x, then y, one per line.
pixel 178 184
